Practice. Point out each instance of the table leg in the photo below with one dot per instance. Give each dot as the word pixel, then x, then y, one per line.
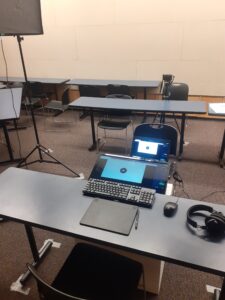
pixel 37 255
pixel 94 144
pixel 182 136
pixel 222 292
pixel 221 154
pixel 8 142
pixel 145 114
pixel 9 147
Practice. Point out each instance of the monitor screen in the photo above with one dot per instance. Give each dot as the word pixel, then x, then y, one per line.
pixel 132 171
pixel 20 17
pixel 151 148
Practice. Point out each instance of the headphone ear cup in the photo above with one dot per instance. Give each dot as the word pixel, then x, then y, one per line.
pixel 215 223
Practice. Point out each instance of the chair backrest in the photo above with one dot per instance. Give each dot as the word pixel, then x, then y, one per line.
pixel 119 96
pixel 37 89
pixel 118 89
pixel 159 131
pixel 177 91
pixel 48 292
pixel 65 97
pixel 89 91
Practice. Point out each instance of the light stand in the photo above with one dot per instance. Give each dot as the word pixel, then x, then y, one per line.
pixel 41 149
pixel 166 83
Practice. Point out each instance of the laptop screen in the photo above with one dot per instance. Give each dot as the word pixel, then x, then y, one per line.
pixel 151 148
pixel 132 171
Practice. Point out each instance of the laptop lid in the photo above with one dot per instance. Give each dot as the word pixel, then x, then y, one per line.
pixel 151 148
pixel 131 170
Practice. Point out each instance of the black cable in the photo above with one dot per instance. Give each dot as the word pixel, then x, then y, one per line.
pixel 212 193
pixel 12 97
pixel 178 180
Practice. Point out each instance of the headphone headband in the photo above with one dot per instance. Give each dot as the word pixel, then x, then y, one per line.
pixel 214 222
pixel 195 208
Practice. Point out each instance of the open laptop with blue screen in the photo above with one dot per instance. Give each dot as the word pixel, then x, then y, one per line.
pixel 132 171
pixel 157 150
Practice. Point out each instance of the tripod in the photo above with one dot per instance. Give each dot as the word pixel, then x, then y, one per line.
pixel 40 148
pixel 167 81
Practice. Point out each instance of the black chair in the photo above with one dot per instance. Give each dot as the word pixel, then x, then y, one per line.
pixel 88 91
pixel 158 131
pixel 34 95
pixel 118 89
pixel 167 80
pixel 94 273
pixel 57 106
pixel 177 91
pixel 115 120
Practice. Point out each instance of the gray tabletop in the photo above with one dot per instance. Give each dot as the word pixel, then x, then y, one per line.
pixel 105 82
pixel 197 107
pixel 36 79
pixel 56 203
pixel 216 109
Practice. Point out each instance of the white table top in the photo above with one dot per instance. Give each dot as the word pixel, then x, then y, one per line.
pixel 56 203
pixel 216 109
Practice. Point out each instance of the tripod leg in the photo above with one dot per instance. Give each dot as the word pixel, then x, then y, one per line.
pixel 20 164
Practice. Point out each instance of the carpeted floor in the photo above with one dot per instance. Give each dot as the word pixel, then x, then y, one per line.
pixel 70 141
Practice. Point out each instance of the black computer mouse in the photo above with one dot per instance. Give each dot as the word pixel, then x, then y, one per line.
pixel 170 209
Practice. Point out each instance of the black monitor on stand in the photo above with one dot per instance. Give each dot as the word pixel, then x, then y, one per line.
pixel 24 18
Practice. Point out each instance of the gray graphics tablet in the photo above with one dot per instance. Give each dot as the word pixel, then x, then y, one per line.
pixel 111 216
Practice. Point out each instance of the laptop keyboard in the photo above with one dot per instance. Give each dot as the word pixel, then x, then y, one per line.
pixel 121 192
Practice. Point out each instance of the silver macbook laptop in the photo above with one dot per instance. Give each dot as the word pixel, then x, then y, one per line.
pixel 131 170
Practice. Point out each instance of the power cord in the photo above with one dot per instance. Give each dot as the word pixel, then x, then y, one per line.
pixel 178 181
pixel 212 193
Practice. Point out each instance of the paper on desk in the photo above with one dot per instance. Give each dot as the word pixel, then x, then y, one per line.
pixel 218 107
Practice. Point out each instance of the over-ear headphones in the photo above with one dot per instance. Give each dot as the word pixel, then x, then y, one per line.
pixel 214 223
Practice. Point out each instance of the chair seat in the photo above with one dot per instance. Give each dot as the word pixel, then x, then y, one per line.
pixel 56 105
pixel 113 124
pixel 95 273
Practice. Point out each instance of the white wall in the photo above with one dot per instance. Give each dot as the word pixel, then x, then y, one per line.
pixel 127 39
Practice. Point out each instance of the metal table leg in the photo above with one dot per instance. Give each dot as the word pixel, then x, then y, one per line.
pixel 94 143
pixel 222 292
pixel 222 149
pixel 37 255
pixel 9 147
pixel 182 136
